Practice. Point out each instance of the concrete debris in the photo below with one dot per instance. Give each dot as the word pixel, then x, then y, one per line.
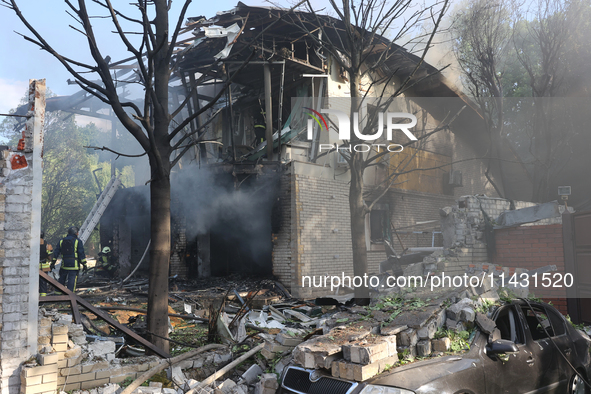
pixel 267 384
pixel 226 386
pixel 356 351
pixel 230 334
pixel 251 374
pixel 528 215
pixel 177 376
pixel 261 319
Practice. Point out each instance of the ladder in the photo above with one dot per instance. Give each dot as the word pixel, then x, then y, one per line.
pixel 98 209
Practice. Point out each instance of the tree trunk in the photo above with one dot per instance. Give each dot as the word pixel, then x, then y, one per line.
pixel 159 261
pixel 357 210
pixel 160 187
pixel 357 206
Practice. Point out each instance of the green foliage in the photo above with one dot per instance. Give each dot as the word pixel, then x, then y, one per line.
pixel 69 188
pixel 460 341
pixel 126 382
pixel 507 295
pixel 577 326
pixel 416 303
pixel 484 307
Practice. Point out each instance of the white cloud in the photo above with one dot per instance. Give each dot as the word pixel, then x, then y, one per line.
pixel 11 92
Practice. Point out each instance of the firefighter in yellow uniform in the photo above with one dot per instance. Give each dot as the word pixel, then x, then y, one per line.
pixel 73 257
pixel 45 263
pixel 105 265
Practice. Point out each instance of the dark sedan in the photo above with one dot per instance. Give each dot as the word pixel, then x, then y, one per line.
pixel 523 360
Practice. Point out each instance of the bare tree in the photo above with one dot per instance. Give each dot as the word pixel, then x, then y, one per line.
pixel 482 37
pixel 149 122
pixel 358 45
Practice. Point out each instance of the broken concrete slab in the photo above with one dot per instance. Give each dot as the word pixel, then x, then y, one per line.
pixel 528 215
pixel 485 324
pixel 424 348
pixel 454 312
pixel 392 329
pixel 290 336
pixel 408 337
pixel 267 385
pixel 359 373
pixel 369 352
pixel 314 352
pixel 251 375
pixel 227 386
pixel 467 314
pixel 490 297
pixel 441 344
pixel 428 330
pixel 416 319
pixel 101 348
pixel 177 376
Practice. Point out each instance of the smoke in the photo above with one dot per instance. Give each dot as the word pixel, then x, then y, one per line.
pixel 235 211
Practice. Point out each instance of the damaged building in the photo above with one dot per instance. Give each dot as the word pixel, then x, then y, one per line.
pixel 237 210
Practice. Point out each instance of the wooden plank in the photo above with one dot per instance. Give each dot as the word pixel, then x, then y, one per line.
pixel 55 298
pixel 103 315
pixel 75 311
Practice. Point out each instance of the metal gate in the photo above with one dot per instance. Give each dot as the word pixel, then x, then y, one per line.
pixel 576 232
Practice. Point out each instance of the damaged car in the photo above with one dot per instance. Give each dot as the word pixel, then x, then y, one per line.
pixel 525 347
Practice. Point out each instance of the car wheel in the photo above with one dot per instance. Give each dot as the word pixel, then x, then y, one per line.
pixel 576 385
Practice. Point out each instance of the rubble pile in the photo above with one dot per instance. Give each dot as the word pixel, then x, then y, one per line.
pixel 348 342
pixel 362 342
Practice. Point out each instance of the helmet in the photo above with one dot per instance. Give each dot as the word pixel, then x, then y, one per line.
pixel 106 250
pixel 73 230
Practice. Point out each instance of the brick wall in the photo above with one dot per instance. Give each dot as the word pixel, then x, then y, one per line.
pixel 315 235
pixel 463 224
pixel 178 265
pixel 323 231
pixel 66 362
pixel 283 267
pixel 20 223
pixel 533 247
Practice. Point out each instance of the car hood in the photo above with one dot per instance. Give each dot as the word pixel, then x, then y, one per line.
pixel 421 373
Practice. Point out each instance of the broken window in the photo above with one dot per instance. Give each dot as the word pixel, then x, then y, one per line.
pixel 509 326
pixel 379 222
pixel 539 324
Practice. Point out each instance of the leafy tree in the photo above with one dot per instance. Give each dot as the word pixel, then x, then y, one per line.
pixel 482 39
pixel 69 189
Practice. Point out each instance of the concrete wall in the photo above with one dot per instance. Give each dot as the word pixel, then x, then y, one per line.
pixel 533 247
pixel 20 226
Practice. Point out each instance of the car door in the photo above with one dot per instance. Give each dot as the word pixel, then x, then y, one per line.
pixel 519 372
pixel 544 354
pixel 561 340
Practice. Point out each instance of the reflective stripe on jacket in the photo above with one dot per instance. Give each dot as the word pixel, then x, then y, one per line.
pixel 71 262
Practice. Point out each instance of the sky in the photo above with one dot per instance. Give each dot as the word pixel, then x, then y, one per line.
pixel 22 60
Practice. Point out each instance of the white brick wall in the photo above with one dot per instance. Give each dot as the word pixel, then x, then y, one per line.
pixel 315 235
pixel 20 218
